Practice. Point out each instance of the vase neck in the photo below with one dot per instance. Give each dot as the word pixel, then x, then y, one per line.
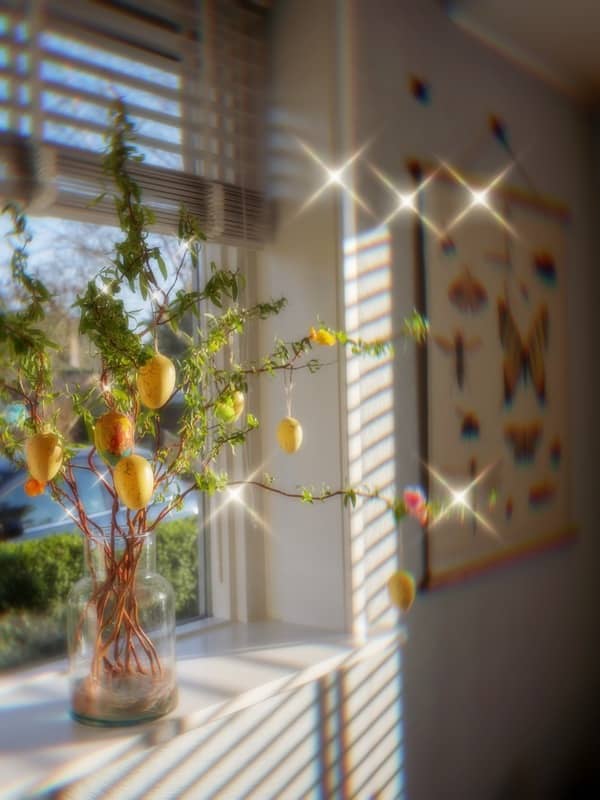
pixel 112 553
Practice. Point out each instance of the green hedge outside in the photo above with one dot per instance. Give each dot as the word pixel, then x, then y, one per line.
pixel 36 576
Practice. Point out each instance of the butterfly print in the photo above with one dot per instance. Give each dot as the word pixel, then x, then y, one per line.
pixel 457 347
pixel 545 268
pixel 498 129
pixel 540 494
pixel 555 453
pixel 419 89
pixel 523 440
pixel 448 246
pixel 469 428
pixel 523 360
pixel 509 508
pixel 467 293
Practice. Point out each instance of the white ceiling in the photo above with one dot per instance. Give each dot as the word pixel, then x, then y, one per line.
pixel 557 39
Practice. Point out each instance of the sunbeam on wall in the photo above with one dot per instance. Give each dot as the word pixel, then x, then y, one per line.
pixel 370 400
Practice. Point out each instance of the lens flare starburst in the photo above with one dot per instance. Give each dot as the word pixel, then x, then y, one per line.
pixel 335 176
pixel 234 495
pixel 407 202
pixel 461 499
pixel 479 197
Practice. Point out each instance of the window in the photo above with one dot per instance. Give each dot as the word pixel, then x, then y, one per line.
pixel 191 77
pixel 66 254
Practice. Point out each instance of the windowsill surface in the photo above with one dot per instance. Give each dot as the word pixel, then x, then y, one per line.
pixel 222 668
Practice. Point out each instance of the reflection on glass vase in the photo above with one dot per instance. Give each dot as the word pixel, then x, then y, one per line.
pixel 121 633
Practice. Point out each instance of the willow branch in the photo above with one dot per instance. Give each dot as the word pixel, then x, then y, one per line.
pixel 326 495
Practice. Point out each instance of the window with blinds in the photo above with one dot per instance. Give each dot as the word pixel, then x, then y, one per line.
pixel 191 74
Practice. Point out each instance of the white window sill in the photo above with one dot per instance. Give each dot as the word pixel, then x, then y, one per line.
pixel 222 668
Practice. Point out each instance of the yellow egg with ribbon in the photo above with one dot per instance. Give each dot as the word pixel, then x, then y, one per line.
pixel 401 589
pixel 134 481
pixel 289 434
pixel 156 381
pixel 43 455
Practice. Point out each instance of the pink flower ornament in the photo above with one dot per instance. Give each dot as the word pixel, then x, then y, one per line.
pixel 416 503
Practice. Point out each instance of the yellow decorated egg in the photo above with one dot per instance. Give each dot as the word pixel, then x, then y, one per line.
pixel 134 481
pixel 156 381
pixel 401 588
pixel 289 434
pixel 113 436
pixel 239 403
pixel 44 455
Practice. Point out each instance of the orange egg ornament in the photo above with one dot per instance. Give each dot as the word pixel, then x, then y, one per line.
pixel 156 381
pixel 33 488
pixel 113 436
pixel 44 456
pixel 134 481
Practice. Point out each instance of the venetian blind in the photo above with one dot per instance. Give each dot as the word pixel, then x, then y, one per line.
pixel 192 77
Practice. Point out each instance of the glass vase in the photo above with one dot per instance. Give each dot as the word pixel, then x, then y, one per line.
pixel 121 633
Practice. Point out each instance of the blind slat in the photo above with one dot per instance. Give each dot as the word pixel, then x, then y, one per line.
pixel 191 76
pixel 159 116
pixel 115 23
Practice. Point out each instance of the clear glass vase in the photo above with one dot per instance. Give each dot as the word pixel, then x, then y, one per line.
pixel 121 633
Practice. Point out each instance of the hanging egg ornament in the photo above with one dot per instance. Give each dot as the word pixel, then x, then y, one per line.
pixel 230 409
pixel 156 381
pixel 239 403
pixel 134 481
pixel 289 434
pixel 113 436
pixel 43 455
pixel 33 487
pixel 401 589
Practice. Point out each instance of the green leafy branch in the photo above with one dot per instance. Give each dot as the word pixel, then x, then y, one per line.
pixel 350 496
pixel 209 377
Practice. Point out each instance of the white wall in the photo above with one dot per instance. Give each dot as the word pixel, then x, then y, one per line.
pixel 500 673
pixel 304 544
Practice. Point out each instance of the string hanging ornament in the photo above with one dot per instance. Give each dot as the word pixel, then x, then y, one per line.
pixel 289 430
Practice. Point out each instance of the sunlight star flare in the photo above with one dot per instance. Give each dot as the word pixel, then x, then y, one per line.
pixel 234 496
pixel 335 177
pixel 460 499
pixel 407 202
pixel 480 198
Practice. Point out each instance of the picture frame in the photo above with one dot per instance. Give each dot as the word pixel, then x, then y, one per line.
pixel 492 384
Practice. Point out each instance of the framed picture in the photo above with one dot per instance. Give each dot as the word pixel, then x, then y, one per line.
pixel 491 278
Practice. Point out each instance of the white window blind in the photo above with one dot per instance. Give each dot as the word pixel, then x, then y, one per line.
pixel 192 77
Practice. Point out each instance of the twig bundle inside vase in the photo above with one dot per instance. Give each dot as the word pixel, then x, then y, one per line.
pixel 122 632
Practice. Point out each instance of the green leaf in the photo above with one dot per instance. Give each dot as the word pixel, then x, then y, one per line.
pixel 399 510
pixel 161 264
pixel 307 495
pixel 350 497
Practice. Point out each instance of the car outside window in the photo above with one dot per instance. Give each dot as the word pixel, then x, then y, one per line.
pixel 30 512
